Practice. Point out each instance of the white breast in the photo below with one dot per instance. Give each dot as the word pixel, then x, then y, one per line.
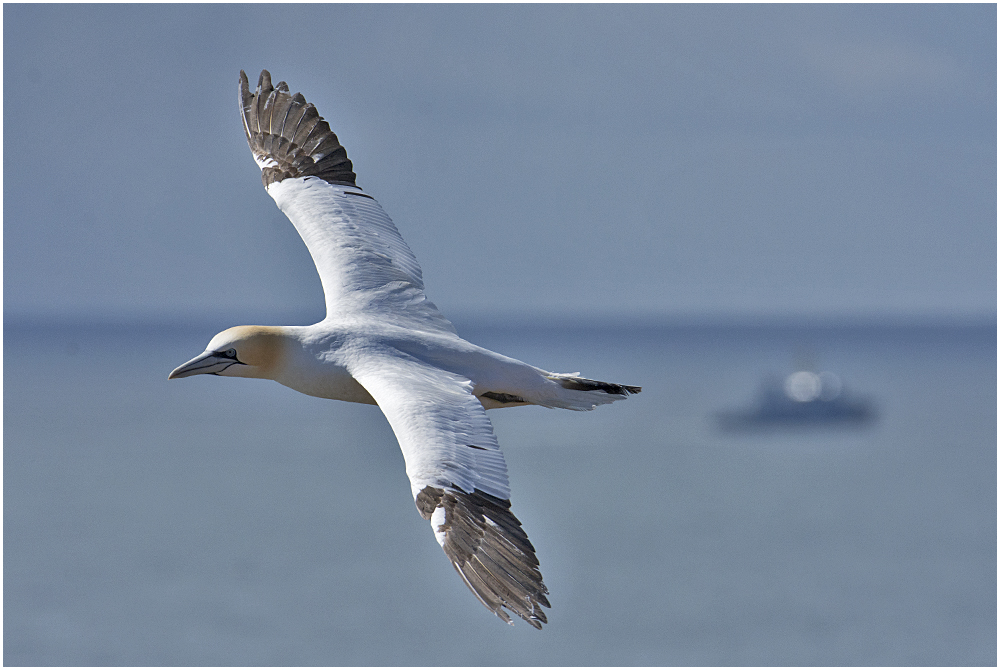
pixel 313 366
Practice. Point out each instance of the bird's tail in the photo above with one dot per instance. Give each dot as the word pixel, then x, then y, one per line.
pixel 580 393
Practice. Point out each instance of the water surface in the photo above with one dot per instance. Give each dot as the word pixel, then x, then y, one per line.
pixel 211 521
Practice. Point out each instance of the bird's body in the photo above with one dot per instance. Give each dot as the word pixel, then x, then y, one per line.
pixel 383 342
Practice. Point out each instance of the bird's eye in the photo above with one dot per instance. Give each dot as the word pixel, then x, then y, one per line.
pixel 231 353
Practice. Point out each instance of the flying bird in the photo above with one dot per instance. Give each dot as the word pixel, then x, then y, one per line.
pixel 384 343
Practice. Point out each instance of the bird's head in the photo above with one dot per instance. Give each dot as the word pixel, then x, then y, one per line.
pixel 242 351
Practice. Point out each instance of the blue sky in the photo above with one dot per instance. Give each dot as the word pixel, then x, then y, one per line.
pixel 675 160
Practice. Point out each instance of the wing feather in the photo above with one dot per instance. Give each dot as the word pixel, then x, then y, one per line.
pixel 306 148
pixel 458 478
pixel 363 262
pixel 365 266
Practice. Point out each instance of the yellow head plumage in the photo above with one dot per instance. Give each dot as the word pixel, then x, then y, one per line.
pixel 242 351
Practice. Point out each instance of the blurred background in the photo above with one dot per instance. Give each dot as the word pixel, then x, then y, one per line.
pixel 779 220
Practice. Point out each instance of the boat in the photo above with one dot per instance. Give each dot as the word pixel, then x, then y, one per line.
pixel 803 398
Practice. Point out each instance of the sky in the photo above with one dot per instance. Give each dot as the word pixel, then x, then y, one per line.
pixel 650 160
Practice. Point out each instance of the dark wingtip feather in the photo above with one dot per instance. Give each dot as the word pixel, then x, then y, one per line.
pixel 305 147
pixel 490 551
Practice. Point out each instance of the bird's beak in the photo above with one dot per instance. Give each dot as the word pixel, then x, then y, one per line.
pixel 206 364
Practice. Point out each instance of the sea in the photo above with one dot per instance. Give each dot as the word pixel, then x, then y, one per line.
pixel 214 522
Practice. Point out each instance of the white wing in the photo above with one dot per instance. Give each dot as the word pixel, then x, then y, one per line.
pixel 362 261
pixel 458 478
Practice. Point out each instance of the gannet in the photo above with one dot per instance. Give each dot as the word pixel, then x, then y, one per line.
pixel 384 343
